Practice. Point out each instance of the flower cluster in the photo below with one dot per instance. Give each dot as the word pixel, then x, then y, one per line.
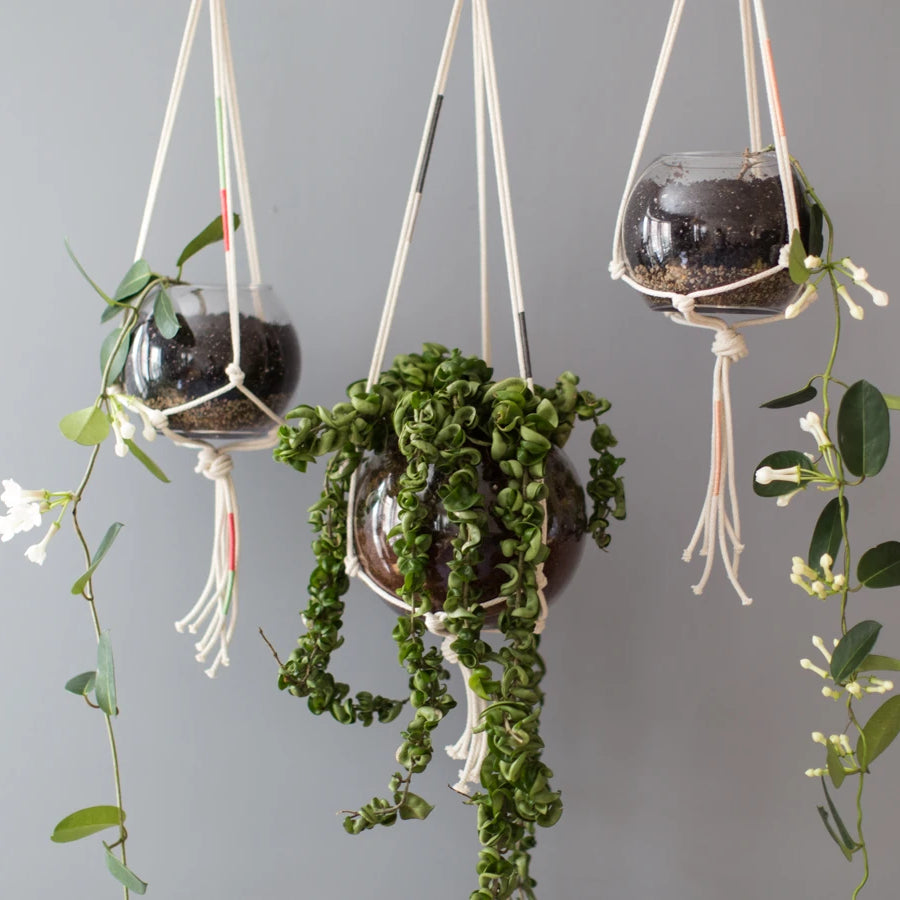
pixel 821 586
pixel 840 743
pixel 24 511
pixel 855 689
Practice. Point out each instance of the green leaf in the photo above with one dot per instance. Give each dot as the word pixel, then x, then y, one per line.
pixel 852 649
pixel 81 684
pixel 135 280
pixel 879 732
pixel 835 766
pixel 880 566
pixel 87 426
pixel 864 429
pixel 212 233
pixel 875 663
pixel 86 822
pixel 804 395
pixel 783 459
pixel 892 401
pixel 797 265
pixel 824 816
pixel 848 841
pixel 105 688
pixel 121 357
pixel 414 807
pixel 828 534
pixel 87 277
pixel 164 315
pixel 110 312
pixel 122 873
pixel 816 230
pixel 107 542
pixel 145 460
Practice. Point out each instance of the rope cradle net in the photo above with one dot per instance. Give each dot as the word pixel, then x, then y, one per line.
pixel 472 747
pixel 214 615
pixel 719 522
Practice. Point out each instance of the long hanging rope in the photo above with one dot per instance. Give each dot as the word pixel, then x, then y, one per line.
pixel 215 612
pixel 472 746
pixel 719 524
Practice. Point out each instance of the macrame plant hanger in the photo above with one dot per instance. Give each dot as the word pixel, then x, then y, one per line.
pixel 472 746
pixel 720 517
pixel 216 609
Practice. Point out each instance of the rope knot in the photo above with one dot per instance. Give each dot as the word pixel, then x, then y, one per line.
pixel 616 269
pixel 434 622
pixel 683 303
pixel 156 417
pixel 351 565
pixel 448 651
pixel 729 344
pixel 213 464
pixel 235 374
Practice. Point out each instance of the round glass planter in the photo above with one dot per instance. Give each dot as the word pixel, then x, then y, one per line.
pixel 166 373
pixel 698 221
pixel 377 511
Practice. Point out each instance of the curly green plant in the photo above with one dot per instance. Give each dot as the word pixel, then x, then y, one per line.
pixel 91 427
pixel 446 414
pixel 849 451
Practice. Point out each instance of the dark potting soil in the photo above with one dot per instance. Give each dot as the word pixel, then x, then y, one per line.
pixel 691 236
pixel 166 373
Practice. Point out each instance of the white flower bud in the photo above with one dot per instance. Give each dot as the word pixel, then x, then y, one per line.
pixel 819 644
pixel 812 262
pixel 812 667
pixel 818 737
pixel 856 310
pixel 854 688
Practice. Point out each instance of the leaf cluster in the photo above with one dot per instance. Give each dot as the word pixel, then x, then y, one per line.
pixel 445 412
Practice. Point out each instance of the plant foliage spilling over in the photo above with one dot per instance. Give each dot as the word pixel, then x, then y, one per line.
pixel 445 412
pixel 846 455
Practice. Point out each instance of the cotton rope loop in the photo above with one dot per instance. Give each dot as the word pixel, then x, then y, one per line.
pixel 472 745
pixel 719 524
pixel 216 609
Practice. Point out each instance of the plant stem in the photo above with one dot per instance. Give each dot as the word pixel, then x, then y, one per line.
pixel 88 594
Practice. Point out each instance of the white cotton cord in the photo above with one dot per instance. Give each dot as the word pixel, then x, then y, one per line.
pixel 240 159
pixel 223 129
pixel 481 179
pixel 719 521
pixel 479 8
pixel 415 196
pixel 165 138
pixel 782 152
pixel 617 266
pixel 750 76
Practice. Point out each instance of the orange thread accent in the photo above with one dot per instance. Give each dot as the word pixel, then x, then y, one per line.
pixel 232 549
pixel 776 96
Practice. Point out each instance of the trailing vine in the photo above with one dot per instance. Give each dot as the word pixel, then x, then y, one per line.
pixel 445 413
pixel 847 455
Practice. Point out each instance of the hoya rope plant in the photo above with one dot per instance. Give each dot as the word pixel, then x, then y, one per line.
pixel 852 440
pixel 91 427
pixel 447 417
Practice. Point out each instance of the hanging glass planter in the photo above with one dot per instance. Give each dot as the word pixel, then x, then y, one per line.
pixel 377 512
pixel 706 220
pixel 168 373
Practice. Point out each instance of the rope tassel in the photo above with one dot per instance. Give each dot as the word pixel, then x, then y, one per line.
pixel 217 606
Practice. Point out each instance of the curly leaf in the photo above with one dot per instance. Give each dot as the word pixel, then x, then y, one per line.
pixel 835 766
pixel 164 315
pixel 864 429
pixel 112 342
pixel 212 233
pixel 107 542
pixel 81 684
pixel 797 265
pixel 105 687
pixel 122 873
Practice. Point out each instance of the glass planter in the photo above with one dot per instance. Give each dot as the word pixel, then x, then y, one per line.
pixel 697 221
pixel 166 373
pixel 377 512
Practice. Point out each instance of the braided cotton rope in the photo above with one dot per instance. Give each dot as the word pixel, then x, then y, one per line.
pixel 216 609
pixel 472 746
pixel 719 521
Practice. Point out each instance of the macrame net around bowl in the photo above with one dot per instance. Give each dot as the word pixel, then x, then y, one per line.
pixel 719 523
pixel 471 748
pixel 213 617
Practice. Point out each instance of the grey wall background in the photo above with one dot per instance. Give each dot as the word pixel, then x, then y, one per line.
pixel 678 727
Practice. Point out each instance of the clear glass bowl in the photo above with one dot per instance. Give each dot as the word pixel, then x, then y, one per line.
pixel 697 221
pixel 166 373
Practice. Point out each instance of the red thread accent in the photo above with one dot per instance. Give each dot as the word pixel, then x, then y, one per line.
pixel 770 65
pixel 717 424
pixel 226 231
pixel 232 549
